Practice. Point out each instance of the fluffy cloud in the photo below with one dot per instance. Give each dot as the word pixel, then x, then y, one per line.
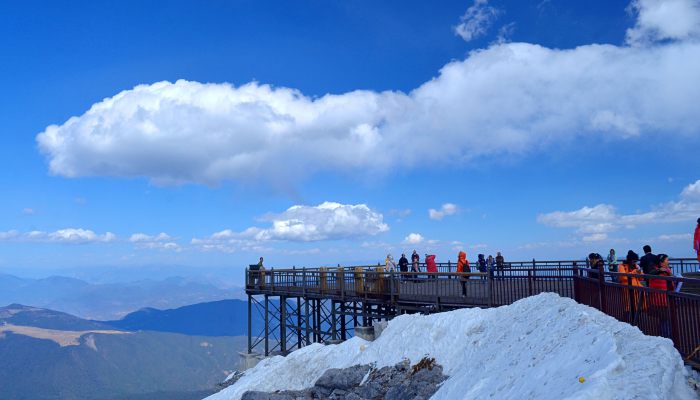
pixel 476 20
pixel 161 241
pixel 142 237
pixel 326 221
pixel 445 210
pixel 510 98
pixel 72 235
pixel 68 235
pixel 659 20
pixel 413 238
pixel 595 223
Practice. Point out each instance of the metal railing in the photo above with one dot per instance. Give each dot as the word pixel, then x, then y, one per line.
pixel 672 314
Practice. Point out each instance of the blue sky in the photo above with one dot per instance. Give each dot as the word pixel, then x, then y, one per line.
pixel 206 134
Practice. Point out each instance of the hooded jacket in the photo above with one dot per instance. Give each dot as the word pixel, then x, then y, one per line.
pixel 462 262
pixel 430 263
pixel 696 239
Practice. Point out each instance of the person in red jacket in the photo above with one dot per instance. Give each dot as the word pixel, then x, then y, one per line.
pixel 659 300
pixel 430 263
pixel 696 240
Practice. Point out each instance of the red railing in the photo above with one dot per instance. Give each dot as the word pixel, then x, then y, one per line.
pixel 674 314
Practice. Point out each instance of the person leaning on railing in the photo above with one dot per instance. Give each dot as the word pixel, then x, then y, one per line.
pixel 629 266
pixel 258 273
pixel 659 301
pixel 462 267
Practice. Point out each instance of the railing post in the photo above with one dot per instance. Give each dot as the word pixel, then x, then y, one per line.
pixel 391 286
pixel 631 301
pixel 489 290
pixel 675 329
pixel 303 281
pixel 529 283
pixel 575 276
pixel 601 288
pixel 272 278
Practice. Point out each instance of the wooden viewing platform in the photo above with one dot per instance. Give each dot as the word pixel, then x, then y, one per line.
pixel 300 306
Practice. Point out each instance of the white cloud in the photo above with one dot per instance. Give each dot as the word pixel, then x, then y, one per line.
pixel 595 223
pixel 142 237
pixel 161 241
pixel 507 99
pixel 28 211
pixel 445 210
pixel 78 235
pixel 326 221
pixel 476 20
pixel 413 238
pixel 401 213
pixel 7 235
pixel 659 20
pixel 675 237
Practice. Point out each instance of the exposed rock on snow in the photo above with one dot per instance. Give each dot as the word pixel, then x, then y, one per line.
pixel 400 382
pixel 536 348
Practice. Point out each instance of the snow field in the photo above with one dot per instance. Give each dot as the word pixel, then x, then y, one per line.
pixel 536 348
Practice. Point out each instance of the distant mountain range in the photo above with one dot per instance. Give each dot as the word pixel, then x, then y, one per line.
pixel 109 301
pixel 218 318
pixel 52 355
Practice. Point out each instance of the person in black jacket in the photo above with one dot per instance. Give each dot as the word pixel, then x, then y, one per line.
pixel 403 265
pixel 595 262
pixel 649 260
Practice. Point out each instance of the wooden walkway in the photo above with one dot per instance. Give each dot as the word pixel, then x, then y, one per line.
pixel 330 304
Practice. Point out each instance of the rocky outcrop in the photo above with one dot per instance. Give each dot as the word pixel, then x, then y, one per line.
pixel 399 382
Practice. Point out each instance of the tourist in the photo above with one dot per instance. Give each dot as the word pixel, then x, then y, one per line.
pixel 490 265
pixel 415 263
pixel 258 273
pixel 696 240
pixel 612 263
pixel 500 264
pixel 659 301
pixel 649 261
pixel 430 264
pixel 390 264
pixel 462 267
pixel 403 265
pixel 462 262
pixel 481 264
pixel 595 262
pixel 629 266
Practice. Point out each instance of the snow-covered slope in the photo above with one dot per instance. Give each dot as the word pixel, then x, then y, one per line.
pixel 536 348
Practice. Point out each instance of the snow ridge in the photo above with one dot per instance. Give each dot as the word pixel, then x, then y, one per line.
pixel 536 348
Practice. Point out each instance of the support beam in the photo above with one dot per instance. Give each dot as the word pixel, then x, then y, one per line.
pixel 267 327
pixel 283 324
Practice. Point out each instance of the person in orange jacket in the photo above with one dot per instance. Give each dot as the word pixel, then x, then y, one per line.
pixel 463 266
pixel 696 240
pixel 462 262
pixel 629 266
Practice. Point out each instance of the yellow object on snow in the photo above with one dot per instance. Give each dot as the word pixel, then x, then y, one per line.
pixel 581 379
